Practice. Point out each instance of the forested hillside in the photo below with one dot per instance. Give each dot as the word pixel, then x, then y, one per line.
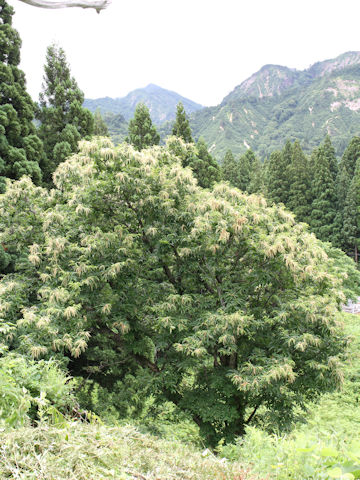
pixel 278 104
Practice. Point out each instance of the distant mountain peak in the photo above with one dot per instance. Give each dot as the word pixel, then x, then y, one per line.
pixel 161 103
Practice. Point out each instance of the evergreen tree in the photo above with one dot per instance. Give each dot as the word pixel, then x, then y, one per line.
pixel 329 151
pixel 276 177
pixel 100 127
pixel 244 172
pixel 351 217
pixel 323 213
pixel 63 119
pixel 256 184
pixel 205 167
pixel 343 182
pixel 21 150
pixel 181 127
pixel 351 156
pixel 230 169
pixel 299 195
pixel 142 132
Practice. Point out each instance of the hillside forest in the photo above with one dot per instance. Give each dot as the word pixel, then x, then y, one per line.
pixel 163 314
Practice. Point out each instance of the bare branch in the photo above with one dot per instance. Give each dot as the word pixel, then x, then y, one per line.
pixel 97 4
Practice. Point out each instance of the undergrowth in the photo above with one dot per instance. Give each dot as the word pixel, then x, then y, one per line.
pixel 95 452
pixel 327 446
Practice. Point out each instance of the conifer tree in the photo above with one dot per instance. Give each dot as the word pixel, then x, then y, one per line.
pixel 181 126
pixel 299 195
pixel 351 156
pixel 230 169
pixel 351 217
pixel 100 127
pixel 205 167
pixel 343 181
pixel 323 212
pixel 142 132
pixel 244 173
pixel 63 119
pixel 330 154
pixel 276 178
pixel 21 150
pixel 256 184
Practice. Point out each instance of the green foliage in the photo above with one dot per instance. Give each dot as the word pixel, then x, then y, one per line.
pixel 117 126
pixel 21 150
pixel 323 213
pixel 181 126
pixel 142 133
pixel 277 179
pixel 230 168
pixel 327 446
pixel 198 158
pixel 351 215
pixel 32 390
pixel 300 198
pixel 63 119
pixel 156 287
pixel 100 127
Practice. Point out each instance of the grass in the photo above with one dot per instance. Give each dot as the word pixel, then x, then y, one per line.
pixel 92 451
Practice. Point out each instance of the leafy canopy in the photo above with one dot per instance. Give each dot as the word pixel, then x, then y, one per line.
pixel 209 299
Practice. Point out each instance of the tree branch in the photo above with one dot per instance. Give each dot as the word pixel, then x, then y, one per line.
pixel 97 4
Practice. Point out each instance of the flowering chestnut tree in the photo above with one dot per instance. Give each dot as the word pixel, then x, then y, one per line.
pixel 206 298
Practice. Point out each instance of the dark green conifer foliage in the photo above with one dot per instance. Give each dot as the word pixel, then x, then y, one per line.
pixel 330 154
pixel 351 217
pixel 230 169
pixel 63 119
pixel 351 156
pixel 276 178
pixel 323 213
pixel 181 127
pixel 21 150
pixel 343 181
pixel 100 127
pixel 244 174
pixel 142 132
pixel 299 196
pixel 256 184
pixel 205 167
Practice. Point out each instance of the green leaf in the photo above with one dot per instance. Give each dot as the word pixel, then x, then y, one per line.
pixel 329 452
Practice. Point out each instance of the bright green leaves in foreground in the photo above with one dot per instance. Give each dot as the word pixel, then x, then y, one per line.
pixel 154 286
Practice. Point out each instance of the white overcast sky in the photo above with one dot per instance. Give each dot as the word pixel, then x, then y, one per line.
pixel 200 49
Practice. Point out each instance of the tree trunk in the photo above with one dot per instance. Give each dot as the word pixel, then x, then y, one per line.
pixel 97 4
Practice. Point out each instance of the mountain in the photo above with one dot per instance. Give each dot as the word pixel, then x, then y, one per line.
pixel 278 103
pixel 161 103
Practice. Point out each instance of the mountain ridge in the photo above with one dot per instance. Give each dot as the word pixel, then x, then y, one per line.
pixel 278 103
pixel 160 101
